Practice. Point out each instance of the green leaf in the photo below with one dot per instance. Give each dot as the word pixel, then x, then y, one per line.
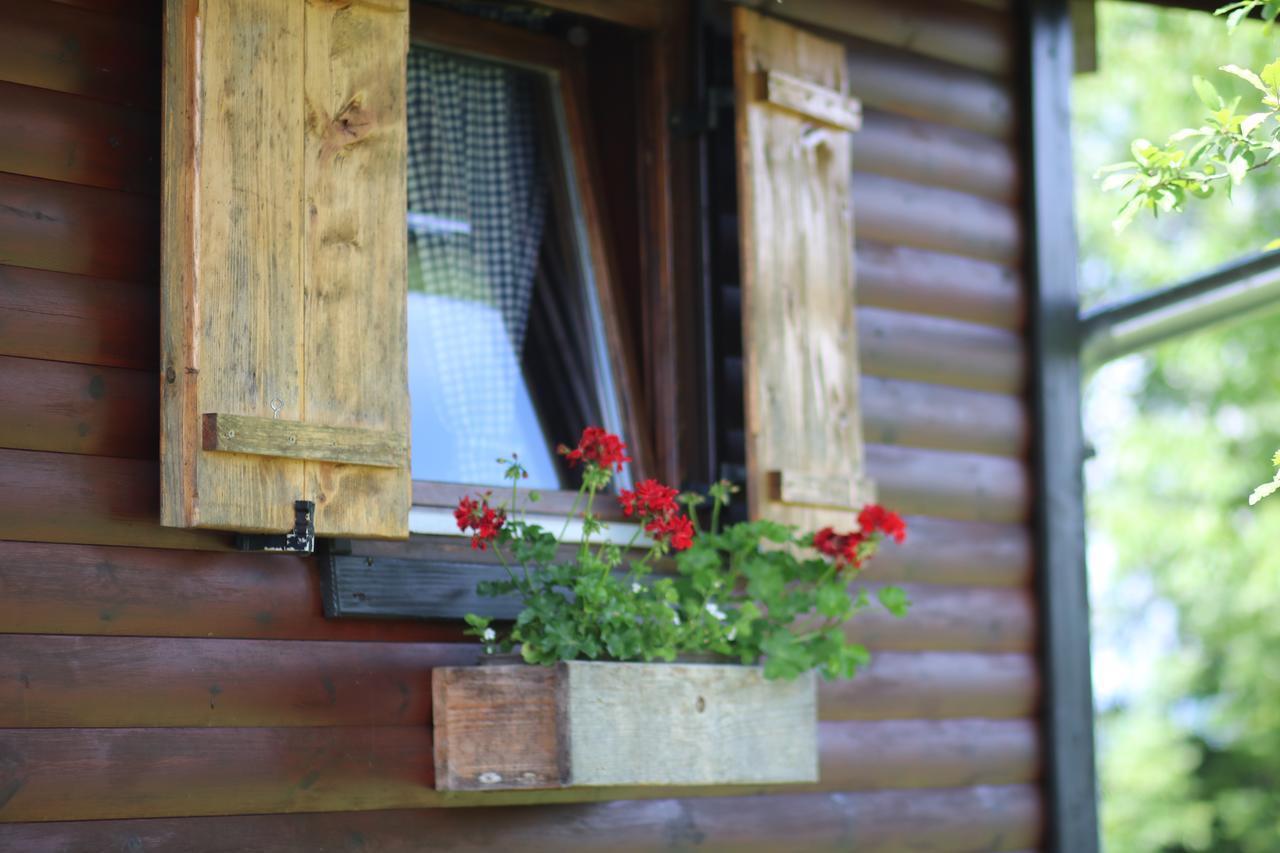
pixel 833 600
pixel 1248 76
pixel 894 600
pixel 1208 94
pixel 1271 75
pixel 1272 246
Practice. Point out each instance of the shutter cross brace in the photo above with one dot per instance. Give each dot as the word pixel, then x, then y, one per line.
pixel 300 540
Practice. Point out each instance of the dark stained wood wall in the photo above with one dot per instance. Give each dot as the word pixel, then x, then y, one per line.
pixel 159 692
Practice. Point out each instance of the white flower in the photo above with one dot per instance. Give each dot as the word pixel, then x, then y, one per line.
pixel 636 588
pixel 489 635
pixel 733 632
pixel 715 611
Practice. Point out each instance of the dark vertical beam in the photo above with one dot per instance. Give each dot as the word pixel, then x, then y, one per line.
pixel 1072 823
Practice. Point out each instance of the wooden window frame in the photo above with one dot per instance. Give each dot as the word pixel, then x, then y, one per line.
pixel 646 397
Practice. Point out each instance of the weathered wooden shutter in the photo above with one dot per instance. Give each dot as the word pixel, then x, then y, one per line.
pixel 795 119
pixel 284 358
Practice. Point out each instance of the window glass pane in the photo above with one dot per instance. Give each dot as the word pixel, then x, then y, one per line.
pixel 497 323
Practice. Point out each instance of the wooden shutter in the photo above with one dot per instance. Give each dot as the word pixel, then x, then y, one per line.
pixel 794 125
pixel 284 357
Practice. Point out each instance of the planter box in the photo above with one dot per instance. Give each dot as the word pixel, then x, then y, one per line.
pixel 584 723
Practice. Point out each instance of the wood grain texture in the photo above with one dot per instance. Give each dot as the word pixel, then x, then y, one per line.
pixel 301 440
pixel 62 497
pixel 989 818
pixel 130 682
pixel 77 139
pixel 80 51
pixel 98 774
pixel 499 728
pixel 961 553
pixel 934 685
pixel 950 30
pixel 76 589
pixel 75 408
pixel 233 229
pixel 814 103
pixel 936 284
pixel 799 346
pixel 76 318
pixel 952 619
pixel 898 82
pixel 721 725
pixel 963 486
pixel 904 213
pixel 938 417
pixel 61 681
pixel 936 155
pixel 61 227
pixel 641 14
pixel 941 351
pixel 355 345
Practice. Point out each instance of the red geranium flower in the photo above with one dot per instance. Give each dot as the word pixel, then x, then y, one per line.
pixel 603 448
pixel 842 546
pixel 874 517
pixel 673 528
pixel 482 520
pixel 649 499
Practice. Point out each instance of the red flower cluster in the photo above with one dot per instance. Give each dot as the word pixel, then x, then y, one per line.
pixel 603 448
pixel 874 517
pixel 656 504
pixel 872 520
pixel 482 520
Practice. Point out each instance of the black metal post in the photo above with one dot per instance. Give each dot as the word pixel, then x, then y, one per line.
pixel 1067 703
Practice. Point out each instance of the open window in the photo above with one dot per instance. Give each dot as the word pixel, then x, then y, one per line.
pixel 516 338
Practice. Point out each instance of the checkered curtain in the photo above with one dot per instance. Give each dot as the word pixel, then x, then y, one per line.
pixel 477 202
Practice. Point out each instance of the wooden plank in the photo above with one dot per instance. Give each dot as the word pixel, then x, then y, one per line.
pixel 92 590
pixel 948 30
pixel 919 414
pixel 800 488
pixel 908 85
pixel 941 351
pixel 799 348
pixel 76 318
pixel 128 682
pixel 934 685
pixel 638 14
pixel 77 139
pixel 963 486
pixel 98 774
pixel 923 282
pixel 904 213
pixel 1059 450
pixel 56 681
pixel 67 49
pixel 819 104
pixel 232 290
pixel 62 497
pixel 962 553
pixel 355 335
pixel 994 818
pixel 63 227
pixel 721 725
pixel 951 619
pixel 302 440
pixel 74 408
pixel 499 727
pixel 936 155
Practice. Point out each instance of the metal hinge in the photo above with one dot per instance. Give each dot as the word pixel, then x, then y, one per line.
pixel 300 540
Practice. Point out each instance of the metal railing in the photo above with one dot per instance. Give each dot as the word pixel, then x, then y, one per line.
pixel 1232 293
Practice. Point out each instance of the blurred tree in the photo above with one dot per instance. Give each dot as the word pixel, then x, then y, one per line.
pixel 1185 577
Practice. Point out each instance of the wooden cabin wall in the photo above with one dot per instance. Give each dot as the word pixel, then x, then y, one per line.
pixel 159 692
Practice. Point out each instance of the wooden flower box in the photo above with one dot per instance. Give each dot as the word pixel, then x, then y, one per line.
pixel 594 724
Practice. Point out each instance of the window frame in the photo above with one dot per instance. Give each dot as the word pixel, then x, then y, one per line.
pixel 662 410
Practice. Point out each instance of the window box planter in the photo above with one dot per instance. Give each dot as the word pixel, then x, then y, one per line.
pixel 586 723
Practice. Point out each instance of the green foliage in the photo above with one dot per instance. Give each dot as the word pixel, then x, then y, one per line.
pixel 1184 575
pixel 746 591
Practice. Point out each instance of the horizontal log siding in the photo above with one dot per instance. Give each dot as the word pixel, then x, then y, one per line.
pixel 150 677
